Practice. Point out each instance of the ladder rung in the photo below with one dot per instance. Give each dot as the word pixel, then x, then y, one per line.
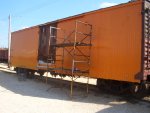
pixel 81 71
pixel 58 60
pixel 82 55
pixel 52 36
pixel 83 33
pixel 49 59
pixel 43 66
pixel 81 61
pixel 60 38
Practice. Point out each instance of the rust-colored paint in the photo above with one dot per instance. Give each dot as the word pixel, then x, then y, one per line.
pixel 116 44
pixel 24 48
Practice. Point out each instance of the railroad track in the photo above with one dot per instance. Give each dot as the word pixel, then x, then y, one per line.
pixel 59 83
pixel 93 89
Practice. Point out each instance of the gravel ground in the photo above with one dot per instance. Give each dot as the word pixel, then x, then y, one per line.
pixel 34 96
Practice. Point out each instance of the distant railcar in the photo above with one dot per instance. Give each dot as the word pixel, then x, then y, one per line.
pixel 3 55
pixel 109 44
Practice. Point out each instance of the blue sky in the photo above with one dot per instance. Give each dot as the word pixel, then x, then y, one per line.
pixel 26 13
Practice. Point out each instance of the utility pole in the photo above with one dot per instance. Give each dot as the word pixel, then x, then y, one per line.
pixel 9 39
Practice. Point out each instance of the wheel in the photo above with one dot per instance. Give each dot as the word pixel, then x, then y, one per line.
pixel 135 88
pixel 21 72
pixel 30 74
pixel 100 83
pixel 53 73
pixel 41 73
pixel 62 75
pixel 138 90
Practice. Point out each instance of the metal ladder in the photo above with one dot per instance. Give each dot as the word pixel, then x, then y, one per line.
pixel 77 52
pixel 80 39
pixel 53 58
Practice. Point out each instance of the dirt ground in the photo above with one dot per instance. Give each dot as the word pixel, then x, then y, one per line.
pixel 34 96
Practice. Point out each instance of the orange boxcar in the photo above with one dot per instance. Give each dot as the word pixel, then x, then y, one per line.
pixel 118 50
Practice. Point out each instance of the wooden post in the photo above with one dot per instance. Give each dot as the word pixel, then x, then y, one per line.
pixel 9 40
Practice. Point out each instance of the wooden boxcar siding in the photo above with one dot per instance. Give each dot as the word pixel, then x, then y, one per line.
pixel 116 44
pixel 24 48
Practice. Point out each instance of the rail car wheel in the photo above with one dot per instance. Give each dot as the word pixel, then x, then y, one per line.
pixel 62 75
pixel 21 74
pixel 113 86
pixel 138 90
pixel 41 73
pixel 53 73
pixel 135 88
pixel 100 83
pixel 30 74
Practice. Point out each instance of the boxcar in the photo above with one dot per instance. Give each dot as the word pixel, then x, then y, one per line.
pixel 109 44
pixel 3 55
